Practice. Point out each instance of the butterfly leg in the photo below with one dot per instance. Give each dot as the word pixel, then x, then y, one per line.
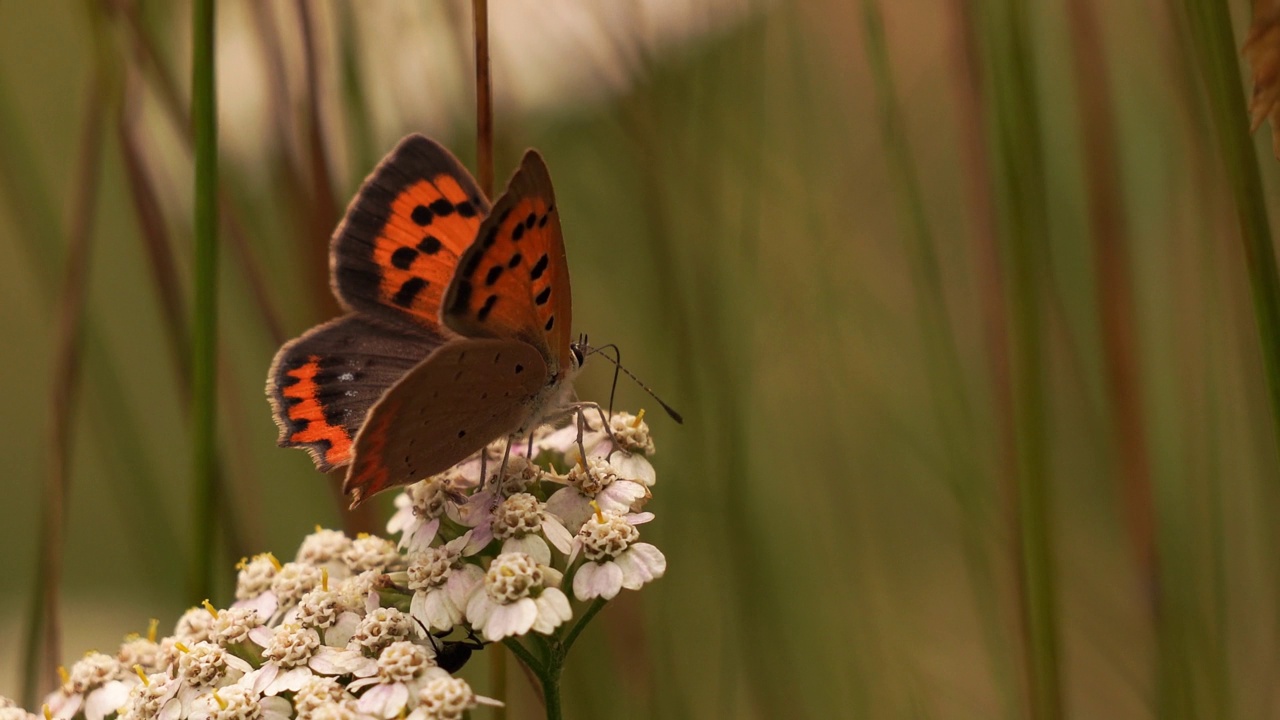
pixel 604 423
pixel 484 461
pixel 528 453
pixel 506 454
pixel 582 422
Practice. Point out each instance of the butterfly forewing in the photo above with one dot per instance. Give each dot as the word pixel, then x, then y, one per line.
pixel 513 282
pixel 322 384
pixel 396 250
pixel 465 394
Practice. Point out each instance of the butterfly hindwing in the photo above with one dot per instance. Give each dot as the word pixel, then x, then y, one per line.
pixel 513 281
pixel 322 384
pixel 465 394
pixel 396 250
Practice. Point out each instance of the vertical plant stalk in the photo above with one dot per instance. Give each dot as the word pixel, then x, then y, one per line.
pixel 1217 58
pixel 44 635
pixel 951 400
pixel 991 285
pixel 155 239
pixel 359 129
pixel 484 97
pixel 1114 302
pixel 1020 171
pixel 204 323
pixel 484 171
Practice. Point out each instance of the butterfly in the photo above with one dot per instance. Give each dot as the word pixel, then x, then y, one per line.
pixel 457 331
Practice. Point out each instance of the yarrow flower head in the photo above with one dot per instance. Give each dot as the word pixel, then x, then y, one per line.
pixel 142 651
pixel 613 557
pixel 447 698
pixel 370 552
pixel 517 598
pixel 97 684
pixel 598 481
pixel 442 584
pixel 155 696
pixel 402 667
pixel 521 523
pixel 255 575
pixel 238 702
pixel 419 509
pixel 325 548
pixel 326 636
pixel 208 665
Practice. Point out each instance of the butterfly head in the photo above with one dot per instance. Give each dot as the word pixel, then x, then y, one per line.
pixel 579 350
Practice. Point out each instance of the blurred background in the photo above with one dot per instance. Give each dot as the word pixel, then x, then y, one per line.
pixel 952 295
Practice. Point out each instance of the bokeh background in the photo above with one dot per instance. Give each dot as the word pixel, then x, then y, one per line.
pixel 941 286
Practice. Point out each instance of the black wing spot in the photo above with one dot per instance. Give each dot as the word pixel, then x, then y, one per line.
pixel 484 396
pixel 519 368
pixel 462 433
pixel 403 257
pixel 542 221
pixel 496 358
pixel 515 261
pixel 492 276
pixel 550 322
pixel 517 232
pixel 539 267
pixel 529 221
pixel 441 207
pixel 457 376
pixel 543 296
pixel 490 236
pixel 466 209
pixel 429 245
pixel 486 307
pixel 422 215
pixel 503 217
pixel 408 291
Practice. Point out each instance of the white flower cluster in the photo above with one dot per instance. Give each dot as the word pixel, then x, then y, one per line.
pixel 365 628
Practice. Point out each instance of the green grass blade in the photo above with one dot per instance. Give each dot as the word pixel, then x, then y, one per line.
pixel 951 400
pixel 1020 171
pixel 1218 59
pixel 205 308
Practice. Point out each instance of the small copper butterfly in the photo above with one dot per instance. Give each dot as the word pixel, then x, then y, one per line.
pixel 458 324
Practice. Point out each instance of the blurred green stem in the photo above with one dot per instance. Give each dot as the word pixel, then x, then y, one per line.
pixel 205 308
pixel 1217 55
pixel 1016 133
pixel 951 401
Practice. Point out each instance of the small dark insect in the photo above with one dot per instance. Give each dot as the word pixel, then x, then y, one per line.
pixel 451 655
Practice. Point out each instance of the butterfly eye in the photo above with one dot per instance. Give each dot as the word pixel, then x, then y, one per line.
pixel 578 357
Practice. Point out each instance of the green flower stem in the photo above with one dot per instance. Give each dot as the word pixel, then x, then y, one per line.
pixel 525 656
pixel 548 673
pixel 549 668
pixel 573 633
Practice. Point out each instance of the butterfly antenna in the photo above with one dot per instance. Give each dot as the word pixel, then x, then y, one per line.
pixel 617 362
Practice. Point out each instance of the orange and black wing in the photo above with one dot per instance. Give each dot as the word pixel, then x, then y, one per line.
pixel 322 384
pixel 396 250
pixel 513 282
